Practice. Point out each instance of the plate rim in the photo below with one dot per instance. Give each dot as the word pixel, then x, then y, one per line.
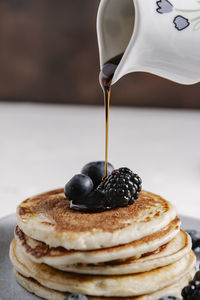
pixel 7 216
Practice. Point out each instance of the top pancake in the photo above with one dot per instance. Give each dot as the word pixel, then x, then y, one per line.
pixel 48 218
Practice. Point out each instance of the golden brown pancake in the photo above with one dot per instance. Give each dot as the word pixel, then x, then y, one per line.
pixel 48 218
pixel 36 288
pixel 162 256
pixel 41 252
pixel 124 286
pixel 55 206
pixel 134 253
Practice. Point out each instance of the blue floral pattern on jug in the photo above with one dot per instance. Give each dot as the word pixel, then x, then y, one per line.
pixel 181 23
pixel 164 7
pixel 184 20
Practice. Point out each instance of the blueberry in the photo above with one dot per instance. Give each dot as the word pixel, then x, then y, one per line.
pixel 78 187
pixel 76 297
pixel 96 171
pixel 195 236
pixel 169 298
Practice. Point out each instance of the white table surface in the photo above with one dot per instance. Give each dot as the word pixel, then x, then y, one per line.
pixel 43 146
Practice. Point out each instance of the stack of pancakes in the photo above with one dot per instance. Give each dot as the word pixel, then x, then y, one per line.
pixel 135 252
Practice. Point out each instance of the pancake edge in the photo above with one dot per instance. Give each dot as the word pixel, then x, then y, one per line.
pixel 36 288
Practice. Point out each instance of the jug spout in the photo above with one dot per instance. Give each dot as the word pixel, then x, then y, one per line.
pixel 153 36
pixel 115 22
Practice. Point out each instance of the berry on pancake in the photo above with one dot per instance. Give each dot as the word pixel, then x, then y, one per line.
pixel 122 188
pixel 78 187
pixel 96 171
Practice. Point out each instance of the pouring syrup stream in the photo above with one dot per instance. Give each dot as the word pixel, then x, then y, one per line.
pixel 105 79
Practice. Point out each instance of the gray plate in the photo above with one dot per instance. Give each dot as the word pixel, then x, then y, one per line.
pixel 9 289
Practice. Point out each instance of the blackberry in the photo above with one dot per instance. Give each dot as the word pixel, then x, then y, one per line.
pixel 192 291
pixel 195 236
pixel 121 188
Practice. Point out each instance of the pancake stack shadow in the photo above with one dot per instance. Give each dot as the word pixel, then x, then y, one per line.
pixel 136 252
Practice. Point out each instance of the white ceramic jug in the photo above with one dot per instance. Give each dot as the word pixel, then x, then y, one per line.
pixel 159 37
